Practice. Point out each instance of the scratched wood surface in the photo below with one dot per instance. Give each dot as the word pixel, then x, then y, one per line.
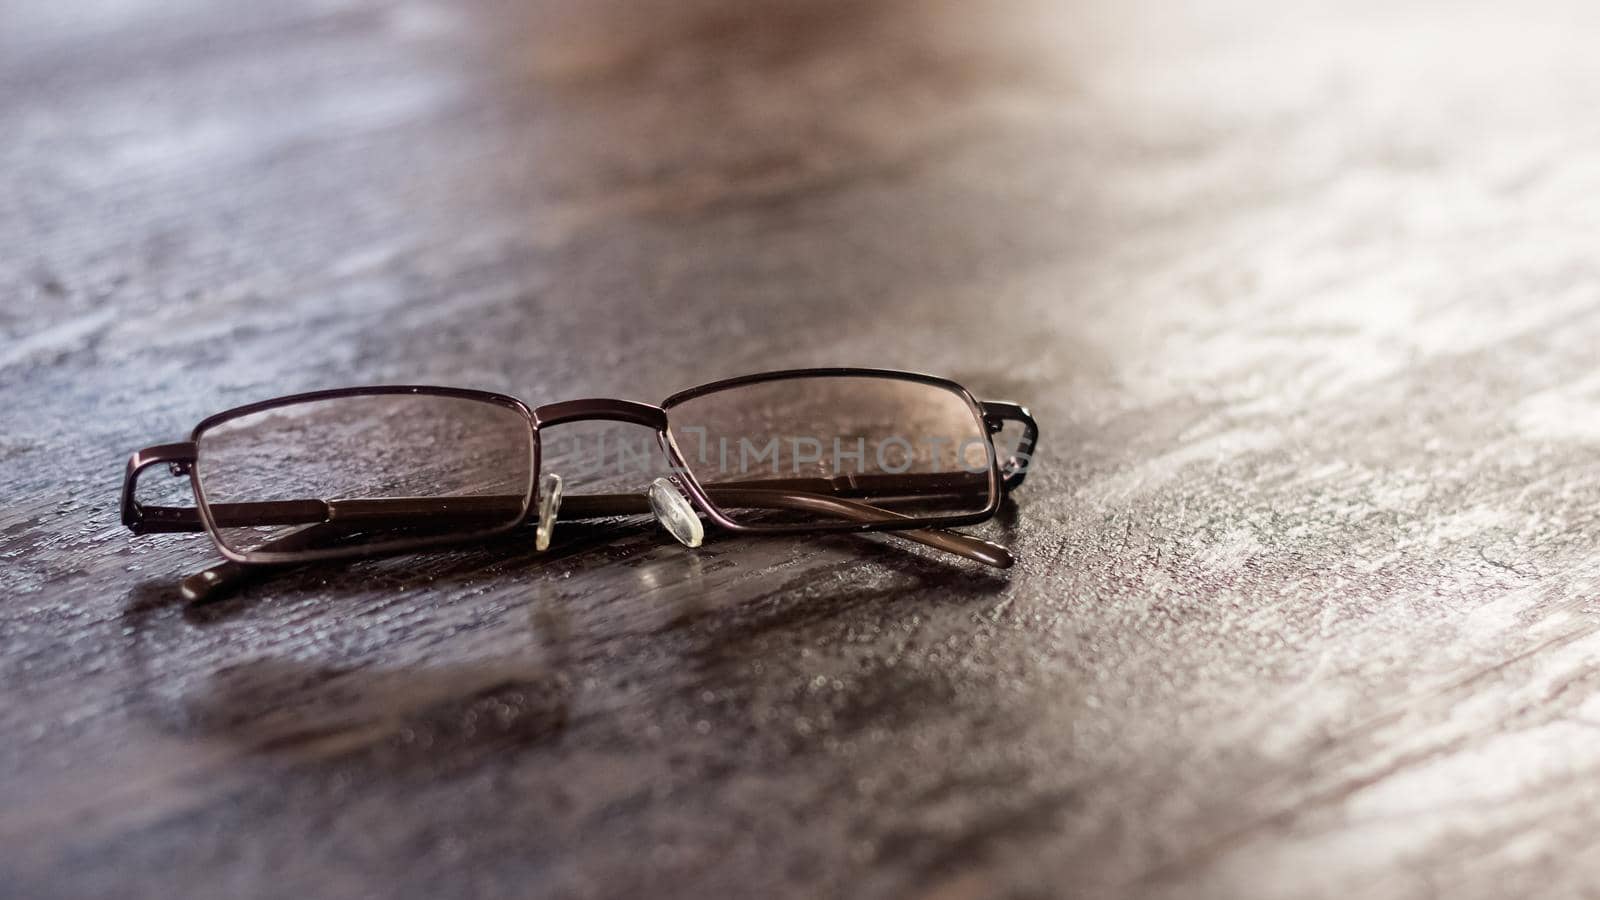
pixel 1304 297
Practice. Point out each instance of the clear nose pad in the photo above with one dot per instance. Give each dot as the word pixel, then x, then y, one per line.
pixel 675 513
pixel 549 505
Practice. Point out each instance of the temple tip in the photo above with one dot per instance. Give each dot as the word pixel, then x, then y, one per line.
pixel 202 586
pixel 994 555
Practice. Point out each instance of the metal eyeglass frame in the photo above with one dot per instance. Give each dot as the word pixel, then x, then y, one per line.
pixel 329 518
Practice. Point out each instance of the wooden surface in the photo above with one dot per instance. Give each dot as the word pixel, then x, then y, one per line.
pixel 1304 297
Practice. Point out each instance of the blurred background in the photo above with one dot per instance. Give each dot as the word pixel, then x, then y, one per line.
pixel 364 188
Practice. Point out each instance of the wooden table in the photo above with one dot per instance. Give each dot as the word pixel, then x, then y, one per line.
pixel 1304 297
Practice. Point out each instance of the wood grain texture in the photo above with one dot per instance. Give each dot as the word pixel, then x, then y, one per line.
pixel 1304 297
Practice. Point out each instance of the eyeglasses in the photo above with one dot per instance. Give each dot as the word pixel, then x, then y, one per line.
pixel 366 471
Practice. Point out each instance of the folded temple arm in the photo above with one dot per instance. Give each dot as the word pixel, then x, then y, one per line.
pixel 334 519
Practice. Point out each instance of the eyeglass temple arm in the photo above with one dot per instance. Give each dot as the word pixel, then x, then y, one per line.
pixel 582 506
pixel 222 577
pixel 145 519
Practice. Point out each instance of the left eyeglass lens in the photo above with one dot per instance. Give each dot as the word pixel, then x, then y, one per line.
pixel 365 470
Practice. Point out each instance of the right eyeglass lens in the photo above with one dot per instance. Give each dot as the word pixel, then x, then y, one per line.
pixel 365 470
pixel 836 449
